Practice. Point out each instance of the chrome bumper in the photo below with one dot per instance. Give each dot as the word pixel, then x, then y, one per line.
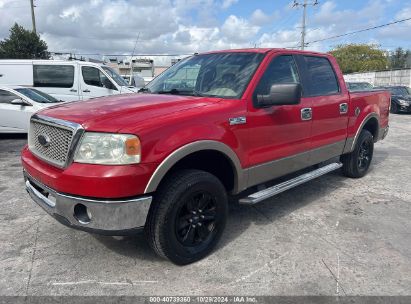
pixel 110 217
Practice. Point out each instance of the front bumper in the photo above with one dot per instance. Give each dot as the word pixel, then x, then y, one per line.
pixel 109 217
pixel 404 108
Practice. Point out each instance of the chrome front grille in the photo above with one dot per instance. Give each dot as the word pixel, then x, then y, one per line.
pixel 53 140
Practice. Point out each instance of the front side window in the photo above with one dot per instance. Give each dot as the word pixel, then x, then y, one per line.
pixel 321 79
pixel 57 76
pixel 7 97
pixel 281 70
pixel 224 75
pixel 116 77
pixel 94 77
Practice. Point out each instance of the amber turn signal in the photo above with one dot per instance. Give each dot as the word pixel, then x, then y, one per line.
pixel 133 146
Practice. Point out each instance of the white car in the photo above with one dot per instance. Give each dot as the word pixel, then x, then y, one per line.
pixel 17 104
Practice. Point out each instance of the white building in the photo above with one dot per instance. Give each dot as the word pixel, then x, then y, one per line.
pixel 382 78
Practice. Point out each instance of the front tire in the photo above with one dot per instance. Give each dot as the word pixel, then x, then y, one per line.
pixel 357 163
pixel 187 216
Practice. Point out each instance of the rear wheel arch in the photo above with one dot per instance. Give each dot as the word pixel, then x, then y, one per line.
pixel 370 123
pixel 211 156
pixel 373 126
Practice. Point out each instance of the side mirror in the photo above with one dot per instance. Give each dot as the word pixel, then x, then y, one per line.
pixel 281 94
pixel 108 84
pixel 20 102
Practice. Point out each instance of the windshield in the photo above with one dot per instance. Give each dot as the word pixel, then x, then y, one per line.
pixel 37 95
pixel 400 91
pixel 218 75
pixel 116 77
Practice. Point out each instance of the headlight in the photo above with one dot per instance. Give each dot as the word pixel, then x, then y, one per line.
pixel 108 149
pixel 403 102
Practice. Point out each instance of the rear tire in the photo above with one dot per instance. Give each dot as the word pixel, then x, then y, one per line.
pixel 187 216
pixel 357 163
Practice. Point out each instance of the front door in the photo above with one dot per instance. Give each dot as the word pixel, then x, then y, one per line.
pixel 279 137
pixel 94 83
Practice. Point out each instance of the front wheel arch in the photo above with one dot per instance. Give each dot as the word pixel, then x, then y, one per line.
pixel 167 166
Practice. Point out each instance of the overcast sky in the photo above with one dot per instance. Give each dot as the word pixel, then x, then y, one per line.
pixel 182 26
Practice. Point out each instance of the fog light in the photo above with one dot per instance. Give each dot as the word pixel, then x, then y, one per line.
pixel 82 214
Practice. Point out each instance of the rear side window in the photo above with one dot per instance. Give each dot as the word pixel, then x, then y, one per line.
pixel 7 97
pixel 321 79
pixel 281 70
pixel 56 76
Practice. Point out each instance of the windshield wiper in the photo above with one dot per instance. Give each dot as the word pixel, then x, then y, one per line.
pixel 182 92
pixel 198 93
pixel 173 91
pixel 144 89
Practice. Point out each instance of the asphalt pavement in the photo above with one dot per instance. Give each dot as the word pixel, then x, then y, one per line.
pixel 331 236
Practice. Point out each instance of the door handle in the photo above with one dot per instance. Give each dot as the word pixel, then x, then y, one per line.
pixel 343 108
pixel 306 114
pixel 73 90
pixel 86 91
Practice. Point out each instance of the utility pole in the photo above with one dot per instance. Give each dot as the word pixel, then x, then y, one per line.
pixel 33 18
pixel 303 26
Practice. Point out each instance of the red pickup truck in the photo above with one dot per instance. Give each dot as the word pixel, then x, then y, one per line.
pixel 212 126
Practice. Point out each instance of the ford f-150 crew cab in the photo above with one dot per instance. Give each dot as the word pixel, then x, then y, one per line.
pixel 210 127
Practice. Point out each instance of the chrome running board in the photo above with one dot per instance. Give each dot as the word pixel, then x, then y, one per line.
pixel 276 189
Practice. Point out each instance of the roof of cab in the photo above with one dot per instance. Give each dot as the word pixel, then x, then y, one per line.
pixel 264 51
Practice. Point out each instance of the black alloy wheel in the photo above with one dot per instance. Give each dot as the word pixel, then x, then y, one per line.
pixel 195 221
pixel 364 155
pixel 187 216
pixel 357 163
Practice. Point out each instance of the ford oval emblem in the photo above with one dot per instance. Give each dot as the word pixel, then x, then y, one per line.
pixel 44 140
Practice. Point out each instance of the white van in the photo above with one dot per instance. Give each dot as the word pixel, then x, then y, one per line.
pixel 64 80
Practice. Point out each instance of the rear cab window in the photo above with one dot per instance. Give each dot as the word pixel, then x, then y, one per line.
pixel 319 75
pixel 52 75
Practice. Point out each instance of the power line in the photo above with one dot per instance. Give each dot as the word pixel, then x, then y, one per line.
pixel 359 31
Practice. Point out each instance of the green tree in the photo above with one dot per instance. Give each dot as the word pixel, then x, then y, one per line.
pixel 23 44
pixel 398 60
pixel 360 58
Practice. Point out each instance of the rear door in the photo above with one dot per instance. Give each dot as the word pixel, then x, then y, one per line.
pixel 329 106
pixel 57 79
pixel 95 83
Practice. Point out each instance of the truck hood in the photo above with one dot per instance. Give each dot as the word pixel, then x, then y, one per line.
pixel 110 114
